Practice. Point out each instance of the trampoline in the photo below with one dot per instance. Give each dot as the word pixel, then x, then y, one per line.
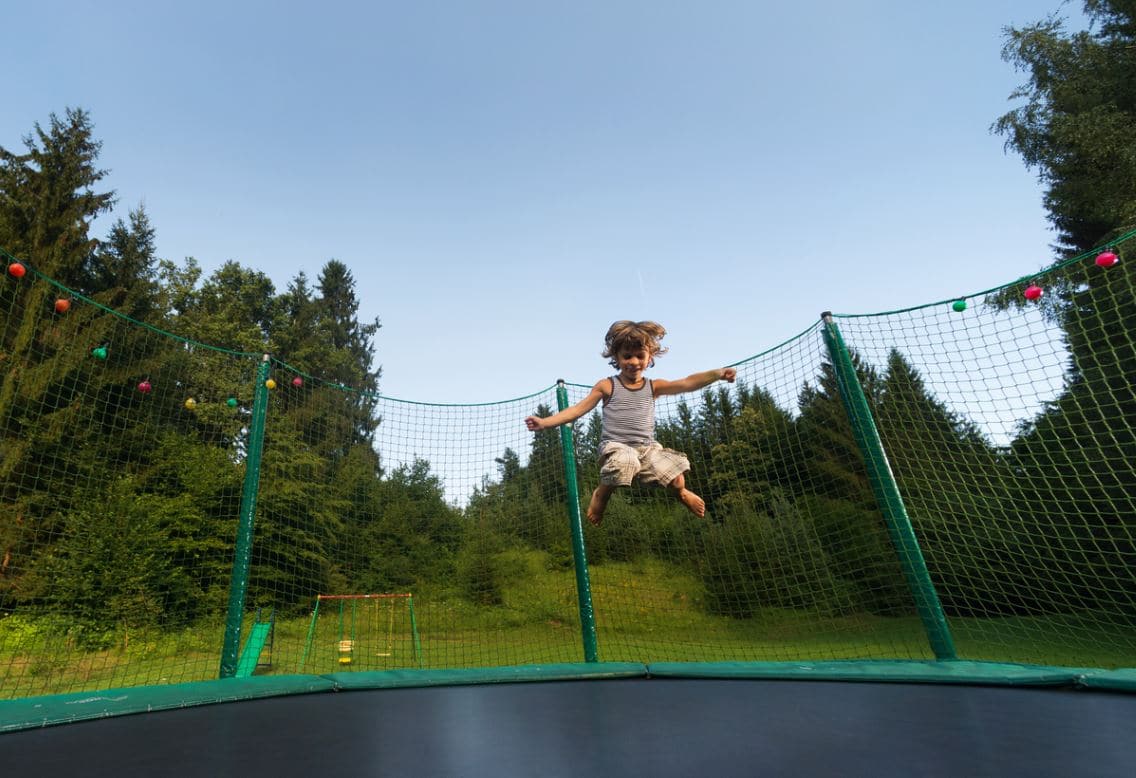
pixel 800 631
pixel 616 727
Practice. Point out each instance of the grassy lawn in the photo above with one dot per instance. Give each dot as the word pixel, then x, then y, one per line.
pixel 645 612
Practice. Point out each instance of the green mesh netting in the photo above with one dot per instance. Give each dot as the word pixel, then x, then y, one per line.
pixel 437 536
pixel 1009 427
pixel 119 503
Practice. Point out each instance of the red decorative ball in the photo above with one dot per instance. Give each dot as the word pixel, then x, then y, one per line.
pixel 1107 259
pixel 297 382
pixel 144 387
pixel 1033 292
pixel 17 270
pixel 62 305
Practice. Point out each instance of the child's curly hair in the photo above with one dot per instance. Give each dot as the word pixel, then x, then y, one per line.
pixel 628 335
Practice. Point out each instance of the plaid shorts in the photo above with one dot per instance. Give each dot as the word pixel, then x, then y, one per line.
pixel 649 465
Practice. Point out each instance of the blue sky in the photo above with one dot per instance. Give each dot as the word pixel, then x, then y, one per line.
pixel 505 179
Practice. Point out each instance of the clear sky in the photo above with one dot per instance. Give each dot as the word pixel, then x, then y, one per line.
pixel 504 179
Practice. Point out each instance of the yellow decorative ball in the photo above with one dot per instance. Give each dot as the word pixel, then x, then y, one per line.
pixel 190 404
pixel 270 384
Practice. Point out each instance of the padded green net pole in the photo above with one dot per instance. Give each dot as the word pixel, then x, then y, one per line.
pixel 887 494
pixel 230 653
pixel 310 637
pixel 414 631
pixel 583 586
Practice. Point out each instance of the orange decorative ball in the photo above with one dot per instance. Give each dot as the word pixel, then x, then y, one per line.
pixel 62 305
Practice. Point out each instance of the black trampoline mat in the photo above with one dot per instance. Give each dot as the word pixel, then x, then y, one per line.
pixel 633 727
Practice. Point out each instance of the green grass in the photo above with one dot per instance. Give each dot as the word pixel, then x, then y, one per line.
pixel 646 612
pixel 1063 640
pixel 37 660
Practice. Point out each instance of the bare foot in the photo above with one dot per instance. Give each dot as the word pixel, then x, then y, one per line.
pixel 598 505
pixel 692 501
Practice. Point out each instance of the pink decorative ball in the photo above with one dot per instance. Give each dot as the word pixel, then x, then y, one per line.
pixel 1107 259
pixel 297 382
pixel 1033 292
pixel 144 387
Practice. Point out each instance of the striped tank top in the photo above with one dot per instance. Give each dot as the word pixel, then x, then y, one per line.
pixel 629 416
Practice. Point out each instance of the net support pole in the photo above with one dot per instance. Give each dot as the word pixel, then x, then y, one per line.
pixel 311 635
pixel 887 494
pixel 243 553
pixel 576 526
pixel 414 630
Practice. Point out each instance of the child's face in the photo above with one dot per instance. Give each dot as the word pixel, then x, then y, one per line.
pixel 632 362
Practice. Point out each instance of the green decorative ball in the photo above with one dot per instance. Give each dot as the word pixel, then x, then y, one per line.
pixel 959 306
pixel 99 353
pixel 231 402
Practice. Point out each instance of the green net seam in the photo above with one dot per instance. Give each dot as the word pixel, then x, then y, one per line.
pixel 124 317
pixel 1051 269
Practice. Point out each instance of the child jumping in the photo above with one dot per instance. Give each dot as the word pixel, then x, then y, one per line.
pixel 628 450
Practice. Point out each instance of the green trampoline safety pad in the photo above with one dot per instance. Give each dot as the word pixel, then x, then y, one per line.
pixel 903 671
pixel 32 712
pixel 389 679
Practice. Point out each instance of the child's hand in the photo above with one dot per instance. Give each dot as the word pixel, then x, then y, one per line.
pixel 729 374
pixel 534 423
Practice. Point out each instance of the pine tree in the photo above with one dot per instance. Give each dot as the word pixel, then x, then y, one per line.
pixel 935 454
pixel 121 274
pixel 749 467
pixel 955 489
pixel 834 490
pixel 833 466
pixel 47 203
pixel 546 464
pixel 350 361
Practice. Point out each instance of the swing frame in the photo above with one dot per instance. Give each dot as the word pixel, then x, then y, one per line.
pixel 346 645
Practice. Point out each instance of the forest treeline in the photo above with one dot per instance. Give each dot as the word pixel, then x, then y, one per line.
pixel 119 508
pixel 117 513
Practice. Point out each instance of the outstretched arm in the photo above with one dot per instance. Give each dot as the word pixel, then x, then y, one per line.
pixel 598 392
pixel 694 382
